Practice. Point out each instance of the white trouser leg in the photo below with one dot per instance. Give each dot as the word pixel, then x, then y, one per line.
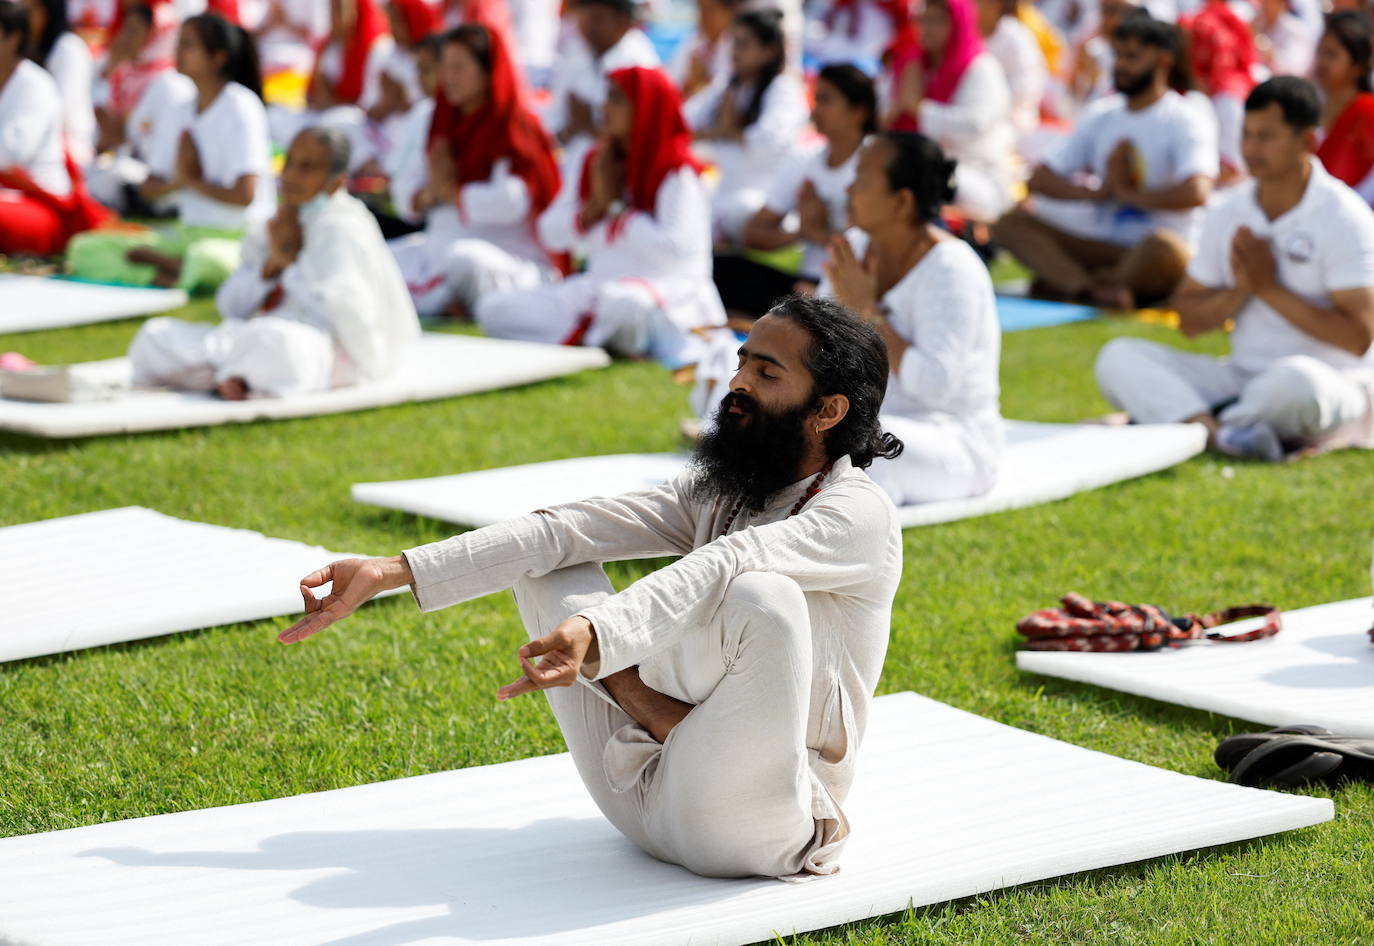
pixel 429 290
pixel 1305 400
pixel 546 314
pixel 1157 384
pixel 979 195
pixel 729 793
pixel 168 352
pixel 938 461
pixel 275 357
pixel 627 318
pixel 473 268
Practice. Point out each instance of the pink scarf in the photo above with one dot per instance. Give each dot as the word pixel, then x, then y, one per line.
pixel 965 44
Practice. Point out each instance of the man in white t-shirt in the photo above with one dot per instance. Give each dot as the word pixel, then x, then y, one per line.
pixel 1127 187
pixel 1289 257
pixel 606 39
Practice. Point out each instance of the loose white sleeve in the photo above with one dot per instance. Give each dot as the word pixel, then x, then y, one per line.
pixel 981 101
pixel 74 71
pixel 644 524
pixel 408 164
pixel 943 350
pixel 786 184
pixel 1350 265
pixel 501 200
pixel 557 225
pixel 242 294
pixel 680 226
pixel 700 110
pixel 782 114
pixel 827 547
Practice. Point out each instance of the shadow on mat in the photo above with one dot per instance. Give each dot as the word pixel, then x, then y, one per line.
pixel 494 883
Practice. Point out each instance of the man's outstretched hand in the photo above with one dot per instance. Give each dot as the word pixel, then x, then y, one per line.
pixel 563 651
pixel 355 580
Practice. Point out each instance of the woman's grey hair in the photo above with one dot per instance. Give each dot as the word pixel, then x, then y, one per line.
pixel 337 142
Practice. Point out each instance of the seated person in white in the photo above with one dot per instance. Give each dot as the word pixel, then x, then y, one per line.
pixel 65 55
pixel 639 215
pixel 491 173
pixel 407 166
pixel 289 33
pixel 536 24
pixel 703 58
pixel 1016 50
pixel 606 39
pixel 751 123
pixel 389 100
pixel 858 32
pixel 931 299
pixel 714 708
pixel 1289 256
pixel 221 180
pixel 317 302
pixel 954 91
pixel 1127 188
pixel 806 197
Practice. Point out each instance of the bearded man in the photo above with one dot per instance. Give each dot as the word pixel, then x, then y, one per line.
pixel 714 708
pixel 1116 209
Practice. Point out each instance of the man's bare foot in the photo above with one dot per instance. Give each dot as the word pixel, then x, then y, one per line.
pixel 1118 298
pixel 657 712
pixel 233 389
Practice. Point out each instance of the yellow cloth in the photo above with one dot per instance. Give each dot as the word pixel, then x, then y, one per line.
pixel 1052 45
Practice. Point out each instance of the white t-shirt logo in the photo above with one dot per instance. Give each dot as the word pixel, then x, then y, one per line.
pixel 1300 248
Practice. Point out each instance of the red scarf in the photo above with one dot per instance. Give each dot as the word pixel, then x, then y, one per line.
pixel 420 17
pixel 1222 51
pixel 77 212
pixel 369 26
pixel 1347 152
pixel 502 127
pixel 660 142
pixel 965 44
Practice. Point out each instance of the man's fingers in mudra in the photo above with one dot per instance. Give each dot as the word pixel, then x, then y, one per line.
pixel 323 614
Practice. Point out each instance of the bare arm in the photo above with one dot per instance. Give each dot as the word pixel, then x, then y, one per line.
pixel 765 231
pixel 1184 195
pixel 1348 323
pixel 1047 182
pixel 240 195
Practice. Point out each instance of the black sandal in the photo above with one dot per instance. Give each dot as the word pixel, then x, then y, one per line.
pixel 1293 755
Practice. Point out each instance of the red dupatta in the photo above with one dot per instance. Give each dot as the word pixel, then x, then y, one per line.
pixel 660 142
pixel 502 127
pixel 1222 51
pixel 965 45
pixel 420 17
pixel 368 26
pixel 897 11
pixel 77 212
pixel 1347 152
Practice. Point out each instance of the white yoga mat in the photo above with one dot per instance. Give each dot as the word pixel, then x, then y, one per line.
pixel 1319 670
pixel 438 366
pixel 139 574
pixel 1043 462
pixel 31 303
pixel 946 805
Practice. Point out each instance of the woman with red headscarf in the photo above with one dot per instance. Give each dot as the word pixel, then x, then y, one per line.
pixel 491 173
pixel 949 88
pixel 637 210
pixel 1222 53
pixel 1344 58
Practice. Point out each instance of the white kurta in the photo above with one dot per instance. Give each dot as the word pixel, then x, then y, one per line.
pixel 152 131
pixel 484 243
pixel 831 184
pixel 859 35
pixel 31 128
pixel 943 402
pixel 578 73
pixel 232 140
pixel 754 779
pixel 72 68
pixel 975 129
pixel 1014 47
pixel 344 315
pixel 746 167
pixel 647 284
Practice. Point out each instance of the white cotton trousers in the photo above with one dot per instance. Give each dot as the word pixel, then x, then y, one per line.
pixel 940 460
pixel 439 272
pixel 275 357
pixel 625 316
pixel 728 794
pixel 1307 401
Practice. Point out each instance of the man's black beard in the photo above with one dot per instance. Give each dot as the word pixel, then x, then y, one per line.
pixel 749 456
pixel 1131 86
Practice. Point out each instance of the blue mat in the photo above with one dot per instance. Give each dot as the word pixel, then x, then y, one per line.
pixel 1016 314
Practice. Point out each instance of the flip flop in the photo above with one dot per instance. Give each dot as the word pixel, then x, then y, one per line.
pixel 1293 755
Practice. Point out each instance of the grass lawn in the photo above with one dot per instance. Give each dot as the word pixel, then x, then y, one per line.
pixel 228 715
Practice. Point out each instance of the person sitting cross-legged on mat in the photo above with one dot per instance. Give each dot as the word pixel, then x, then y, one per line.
pixel 316 303
pixel 930 297
pixel 714 708
pixel 1122 237
pixel 638 212
pixel 1289 256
